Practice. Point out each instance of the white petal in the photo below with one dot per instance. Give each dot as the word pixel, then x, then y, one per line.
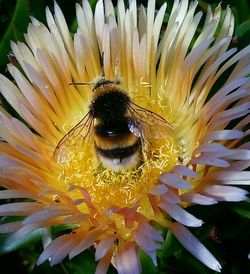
pixel 196 198
pixel 180 215
pixel 195 247
pixel 225 193
pixel 223 135
pixel 157 190
pixel 183 170
pixel 145 243
pixel 171 198
pixel 151 232
pixel 212 147
pixel 174 181
pixel 240 154
pixel 230 177
pixel 210 161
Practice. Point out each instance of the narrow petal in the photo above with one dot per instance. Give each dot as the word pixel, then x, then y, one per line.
pixel 199 199
pixel 183 170
pixel 180 215
pixel 63 250
pixel 127 262
pixel 224 193
pixel 52 248
pixel 103 265
pixel 10 227
pixel 195 247
pixel 104 246
pixel 19 209
pixel 158 189
pixel 223 135
pixel 85 243
pixel 230 177
pixel 210 161
pixel 174 181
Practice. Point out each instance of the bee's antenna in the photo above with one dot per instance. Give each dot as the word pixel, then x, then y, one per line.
pixel 80 83
pixel 102 65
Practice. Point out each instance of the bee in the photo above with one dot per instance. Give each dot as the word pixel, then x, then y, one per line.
pixel 118 127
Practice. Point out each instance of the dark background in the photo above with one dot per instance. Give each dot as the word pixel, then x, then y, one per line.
pixel 226 231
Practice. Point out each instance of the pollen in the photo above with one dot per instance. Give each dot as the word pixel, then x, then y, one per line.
pixel 123 188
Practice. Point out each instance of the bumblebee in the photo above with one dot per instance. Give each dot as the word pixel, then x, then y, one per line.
pixel 118 127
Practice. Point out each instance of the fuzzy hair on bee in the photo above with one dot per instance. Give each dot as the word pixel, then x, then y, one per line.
pixel 119 127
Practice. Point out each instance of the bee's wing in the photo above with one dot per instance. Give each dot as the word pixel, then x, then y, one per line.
pixel 74 138
pixel 147 124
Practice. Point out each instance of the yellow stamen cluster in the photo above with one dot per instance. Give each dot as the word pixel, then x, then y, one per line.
pixel 129 187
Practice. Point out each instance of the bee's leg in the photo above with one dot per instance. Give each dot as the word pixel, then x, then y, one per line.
pixel 144 148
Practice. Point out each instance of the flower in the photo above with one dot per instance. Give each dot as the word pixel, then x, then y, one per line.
pixel 173 73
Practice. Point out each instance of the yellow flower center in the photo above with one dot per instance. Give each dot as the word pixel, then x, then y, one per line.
pixel 129 187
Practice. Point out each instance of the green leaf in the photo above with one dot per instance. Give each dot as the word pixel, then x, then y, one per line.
pixel 7 246
pixel 242 9
pixel 82 264
pixel 147 265
pixel 242 209
pixel 170 246
pixel 59 228
pixel 191 263
pixel 92 3
pixel 242 34
pixel 16 27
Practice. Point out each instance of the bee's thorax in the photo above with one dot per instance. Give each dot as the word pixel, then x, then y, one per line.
pixel 110 106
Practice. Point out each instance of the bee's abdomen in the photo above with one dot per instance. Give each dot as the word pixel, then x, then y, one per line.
pixel 119 152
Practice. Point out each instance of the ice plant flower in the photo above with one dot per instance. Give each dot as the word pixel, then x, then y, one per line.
pixel 171 70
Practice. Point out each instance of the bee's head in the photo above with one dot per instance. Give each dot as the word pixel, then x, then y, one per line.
pixel 102 82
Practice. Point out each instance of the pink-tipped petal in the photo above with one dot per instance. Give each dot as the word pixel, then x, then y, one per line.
pixel 85 243
pixel 62 251
pixel 128 262
pixel 21 209
pixel 103 264
pixel 52 248
pixel 10 227
pixel 104 246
